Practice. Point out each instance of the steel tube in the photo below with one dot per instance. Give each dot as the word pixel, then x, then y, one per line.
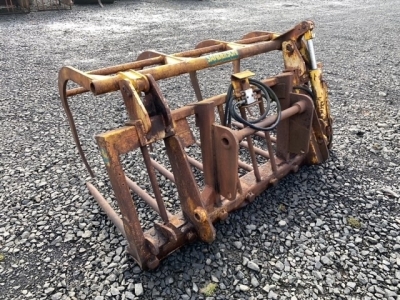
pixel 146 197
pixel 160 60
pixel 311 51
pixel 139 64
pixel 245 166
pixel 163 171
pixel 271 152
pixel 256 150
pixel 195 163
pixel 298 107
pixel 258 133
pixel 112 215
pixel 262 38
pixel 200 51
pixel 110 84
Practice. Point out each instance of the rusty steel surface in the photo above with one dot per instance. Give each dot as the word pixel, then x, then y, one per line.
pixel 238 160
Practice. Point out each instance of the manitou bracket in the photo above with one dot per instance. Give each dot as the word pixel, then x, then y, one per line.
pixel 209 158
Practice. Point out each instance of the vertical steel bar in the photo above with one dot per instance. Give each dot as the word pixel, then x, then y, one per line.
pixel 253 158
pixel 154 184
pixel 195 85
pixel 311 52
pixel 221 114
pixel 236 66
pixel 205 118
pixel 241 164
pixel 271 152
pixel 283 128
pixel 251 150
pixel 134 232
pixel 192 204
pixel 268 141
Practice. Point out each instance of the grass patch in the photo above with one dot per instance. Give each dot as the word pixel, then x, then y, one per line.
pixel 354 222
pixel 209 289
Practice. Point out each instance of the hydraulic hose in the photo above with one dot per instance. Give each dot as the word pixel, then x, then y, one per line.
pixel 231 107
pixel 305 89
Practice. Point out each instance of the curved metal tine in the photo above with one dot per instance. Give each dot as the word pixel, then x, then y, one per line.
pixel 193 75
pixel 64 75
pixel 150 54
pixel 208 43
pixel 196 86
pixel 254 34
pixel 197 52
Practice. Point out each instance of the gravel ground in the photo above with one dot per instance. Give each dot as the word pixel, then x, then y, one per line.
pixel 327 232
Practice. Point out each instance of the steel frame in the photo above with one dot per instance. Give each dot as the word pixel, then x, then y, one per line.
pixel 300 137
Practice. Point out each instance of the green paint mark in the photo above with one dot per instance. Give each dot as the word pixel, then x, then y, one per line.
pixel 222 57
pixel 105 157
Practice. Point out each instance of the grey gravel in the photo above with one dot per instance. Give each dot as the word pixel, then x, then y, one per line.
pixel 237 244
pixel 351 285
pixel 138 289
pixel 56 242
pixel 282 223
pixel 325 260
pixel 275 277
pixel 114 291
pixel 244 288
pixel 266 288
pixel 272 295
pixel 280 266
pixel 254 282
pixel 253 266
pixel 56 296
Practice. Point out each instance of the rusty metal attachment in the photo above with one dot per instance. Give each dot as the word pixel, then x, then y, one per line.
pixel 247 139
pixel 14 6
pixel 44 5
pixel 26 6
pixel 99 2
